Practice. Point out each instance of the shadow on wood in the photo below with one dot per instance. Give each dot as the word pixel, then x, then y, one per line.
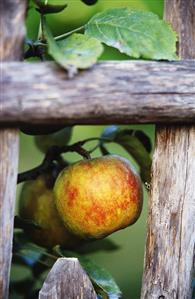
pixel 67 279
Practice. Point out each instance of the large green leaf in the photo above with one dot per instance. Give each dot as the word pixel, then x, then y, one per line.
pixel 80 50
pixel 138 34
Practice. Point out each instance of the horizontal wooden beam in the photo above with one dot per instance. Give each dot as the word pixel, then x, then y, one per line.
pixel 110 92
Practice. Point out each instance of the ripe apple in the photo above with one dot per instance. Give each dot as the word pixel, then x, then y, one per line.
pixel 37 204
pixel 99 196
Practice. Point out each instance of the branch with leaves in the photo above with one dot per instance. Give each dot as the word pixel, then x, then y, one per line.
pixel 137 34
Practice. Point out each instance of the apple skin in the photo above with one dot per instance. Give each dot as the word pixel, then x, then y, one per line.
pixel 99 196
pixel 37 204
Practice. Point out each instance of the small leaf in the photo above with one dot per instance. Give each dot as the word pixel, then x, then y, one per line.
pixel 110 132
pixel 98 245
pixel 55 51
pixel 49 8
pixel 137 150
pixel 101 278
pixel 39 130
pixel 138 34
pixel 28 252
pixel 135 142
pixel 58 138
pixel 103 282
pixel 145 140
pixel 80 50
pixel 104 150
pixel 25 224
pixel 30 256
pixel 74 52
pixel 89 2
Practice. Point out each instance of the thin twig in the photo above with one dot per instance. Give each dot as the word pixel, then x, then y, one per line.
pixel 54 154
pixel 68 33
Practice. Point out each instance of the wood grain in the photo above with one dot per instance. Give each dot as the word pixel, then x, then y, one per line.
pixel 8 166
pixel 170 246
pixel 67 279
pixel 111 92
pixel 12 13
pixel 171 232
pixel 180 14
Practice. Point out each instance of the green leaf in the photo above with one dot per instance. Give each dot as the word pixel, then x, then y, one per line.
pixel 144 139
pixel 25 223
pixel 101 278
pixel 49 8
pixel 80 50
pixel 39 130
pixel 26 251
pixel 89 2
pixel 103 282
pixel 77 51
pixel 138 34
pixel 55 51
pixel 99 245
pixel 110 132
pixel 59 138
pixel 104 150
pixel 135 142
pixel 137 150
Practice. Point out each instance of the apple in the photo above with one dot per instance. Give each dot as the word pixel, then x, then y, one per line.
pixel 99 196
pixel 37 204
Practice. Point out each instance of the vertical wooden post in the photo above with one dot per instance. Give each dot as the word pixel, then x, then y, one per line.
pixel 12 13
pixel 67 279
pixel 170 243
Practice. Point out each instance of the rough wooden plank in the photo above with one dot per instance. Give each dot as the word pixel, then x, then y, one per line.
pixel 111 92
pixel 171 233
pixel 67 279
pixel 181 16
pixel 12 14
pixel 170 247
pixel 8 166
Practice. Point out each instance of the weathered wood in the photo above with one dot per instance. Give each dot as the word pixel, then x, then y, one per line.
pixel 111 92
pixel 180 14
pixel 67 279
pixel 8 166
pixel 170 246
pixel 12 14
pixel 171 233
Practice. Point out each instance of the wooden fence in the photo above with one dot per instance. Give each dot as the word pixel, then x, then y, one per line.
pixel 111 92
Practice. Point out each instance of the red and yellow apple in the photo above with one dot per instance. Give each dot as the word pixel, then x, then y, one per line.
pixel 99 196
pixel 37 204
